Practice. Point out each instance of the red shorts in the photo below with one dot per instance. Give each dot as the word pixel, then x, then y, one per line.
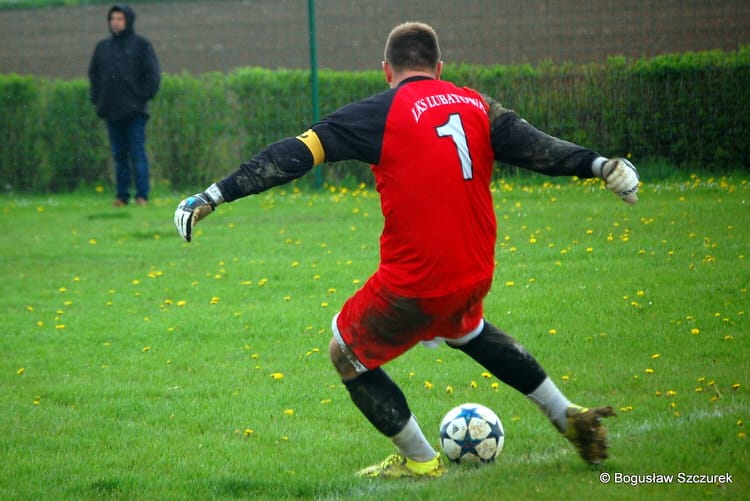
pixel 377 325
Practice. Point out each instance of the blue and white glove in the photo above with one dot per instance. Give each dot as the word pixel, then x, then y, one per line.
pixel 621 177
pixel 193 209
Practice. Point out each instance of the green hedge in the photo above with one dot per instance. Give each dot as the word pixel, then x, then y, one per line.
pixel 689 110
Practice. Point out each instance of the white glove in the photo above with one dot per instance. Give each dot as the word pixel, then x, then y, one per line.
pixel 621 178
pixel 193 209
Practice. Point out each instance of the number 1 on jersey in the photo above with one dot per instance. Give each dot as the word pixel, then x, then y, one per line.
pixel 454 129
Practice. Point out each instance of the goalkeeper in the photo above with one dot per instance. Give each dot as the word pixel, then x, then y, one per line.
pixel 432 146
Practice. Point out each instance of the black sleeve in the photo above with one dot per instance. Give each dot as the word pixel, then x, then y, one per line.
pixel 279 163
pixel 355 132
pixel 519 143
pixel 151 76
pixel 94 76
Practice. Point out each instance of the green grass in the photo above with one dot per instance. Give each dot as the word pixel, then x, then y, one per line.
pixel 135 366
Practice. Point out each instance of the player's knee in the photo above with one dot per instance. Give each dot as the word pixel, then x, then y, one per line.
pixel 340 361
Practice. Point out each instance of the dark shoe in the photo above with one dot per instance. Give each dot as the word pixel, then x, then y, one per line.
pixel 141 201
pixel 586 433
pixel 119 203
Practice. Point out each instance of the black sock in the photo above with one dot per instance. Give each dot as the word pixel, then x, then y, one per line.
pixel 381 401
pixel 505 358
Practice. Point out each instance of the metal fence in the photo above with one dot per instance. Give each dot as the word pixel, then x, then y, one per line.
pixel 220 35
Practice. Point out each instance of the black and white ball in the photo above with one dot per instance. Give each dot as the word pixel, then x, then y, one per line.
pixel 471 433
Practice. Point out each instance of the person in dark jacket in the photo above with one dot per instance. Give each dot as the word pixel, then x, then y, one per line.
pixel 124 75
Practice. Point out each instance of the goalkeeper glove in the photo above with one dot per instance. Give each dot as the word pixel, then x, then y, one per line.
pixel 621 177
pixel 193 209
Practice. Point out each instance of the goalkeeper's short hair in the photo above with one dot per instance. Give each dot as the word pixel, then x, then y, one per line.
pixel 412 46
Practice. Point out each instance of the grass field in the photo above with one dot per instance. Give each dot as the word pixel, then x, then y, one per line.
pixel 135 366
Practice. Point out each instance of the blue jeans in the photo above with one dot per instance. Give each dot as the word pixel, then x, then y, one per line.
pixel 128 142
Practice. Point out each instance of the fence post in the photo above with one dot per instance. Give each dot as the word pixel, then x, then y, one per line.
pixel 318 174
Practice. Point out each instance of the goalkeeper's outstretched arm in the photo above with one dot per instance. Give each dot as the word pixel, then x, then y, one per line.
pixel 517 142
pixel 277 164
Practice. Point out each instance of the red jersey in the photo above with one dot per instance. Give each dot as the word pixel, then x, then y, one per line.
pixel 432 157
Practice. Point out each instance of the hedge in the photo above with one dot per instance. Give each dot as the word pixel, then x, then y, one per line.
pixel 690 110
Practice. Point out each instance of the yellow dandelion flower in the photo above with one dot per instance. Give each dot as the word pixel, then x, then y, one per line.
pixel 740 422
pixel 736 386
pixel 92 241
pixel 655 356
pixel 627 408
pixel 20 371
pixel 181 303
pixel 449 390
pixel 324 305
pixel 742 434
pixel 728 337
pixel 37 399
pixel 145 349
pixel 510 283
pixel 59 326
pixel 589 249
pixel 671 393
pixel 29 308
pixel 565 378
pixel 248 432
pixel 515 419
pixel 486 375
pixel 658 393
pixel 277 375
pixel 326 401
pixel 495 385
pixel 699 389
pixel 295 264
pixel 552 331
pixel 428 385
pixel 287 298
pixel 649 371
pixel 214 300
pixel 640 293
pixel 331 290
pixel 411 374
pixel 473 384
pixel 289 412
pixel 695 331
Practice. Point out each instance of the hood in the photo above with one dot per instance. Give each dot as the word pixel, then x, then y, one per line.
pixel 129 17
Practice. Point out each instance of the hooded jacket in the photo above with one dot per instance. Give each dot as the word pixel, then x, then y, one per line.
pixel 124 72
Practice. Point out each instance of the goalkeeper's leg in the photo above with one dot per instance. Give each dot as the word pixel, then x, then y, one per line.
pixel 507 360
pixel 383 403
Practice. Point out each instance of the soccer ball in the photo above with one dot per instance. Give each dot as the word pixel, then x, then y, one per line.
pixel 471 433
